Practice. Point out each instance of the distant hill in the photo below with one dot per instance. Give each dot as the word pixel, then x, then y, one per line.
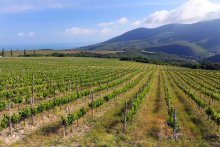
pixel 215 58
pixel 206 34
pixel 185 40
pixel 182 49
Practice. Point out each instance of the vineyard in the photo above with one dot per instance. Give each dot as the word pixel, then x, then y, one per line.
pixel 99 102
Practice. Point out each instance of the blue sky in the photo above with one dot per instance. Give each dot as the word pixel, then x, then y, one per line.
pixel 69 23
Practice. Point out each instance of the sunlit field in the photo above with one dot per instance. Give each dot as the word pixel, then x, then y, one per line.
pixel 106 102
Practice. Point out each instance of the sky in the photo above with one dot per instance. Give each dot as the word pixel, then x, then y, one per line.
pixel 61 24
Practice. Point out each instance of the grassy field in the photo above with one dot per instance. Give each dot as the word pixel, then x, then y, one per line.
pixel 81 102
pixel 16 53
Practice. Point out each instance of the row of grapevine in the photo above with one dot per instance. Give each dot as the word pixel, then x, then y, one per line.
pixel 71 117
pixel 133 105
pixel 200 81
pixel 106 98
pixel 170 105
pixel 49 90
pixel 19 100
pixel 210 111
pixel 200 88
pixel 45 106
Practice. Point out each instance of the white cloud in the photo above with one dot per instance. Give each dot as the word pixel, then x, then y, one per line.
pixel 17 8
pixel 106 31
pixel 123 21
pixel 31 33
pixel 190 12
pixel 79 31
pixel 14 6
pixel 105 24
pixel 23 34
pixel 137 23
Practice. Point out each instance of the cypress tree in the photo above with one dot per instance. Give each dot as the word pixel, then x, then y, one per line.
pixel 3 52
pixel 11 53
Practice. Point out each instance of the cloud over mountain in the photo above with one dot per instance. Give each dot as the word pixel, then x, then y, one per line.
pixel 190 12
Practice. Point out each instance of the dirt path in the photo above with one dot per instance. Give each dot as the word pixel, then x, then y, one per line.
pixel 150 124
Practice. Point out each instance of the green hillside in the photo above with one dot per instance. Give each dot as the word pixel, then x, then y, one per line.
pixel 193 41
pixel 183 49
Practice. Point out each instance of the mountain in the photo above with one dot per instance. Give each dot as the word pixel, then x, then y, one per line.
pixel 205 33
pixel 184 40
pixel 215 58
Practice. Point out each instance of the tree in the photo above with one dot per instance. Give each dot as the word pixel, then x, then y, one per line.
pixel 3 52
pixel 11 53
pixel 24 51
